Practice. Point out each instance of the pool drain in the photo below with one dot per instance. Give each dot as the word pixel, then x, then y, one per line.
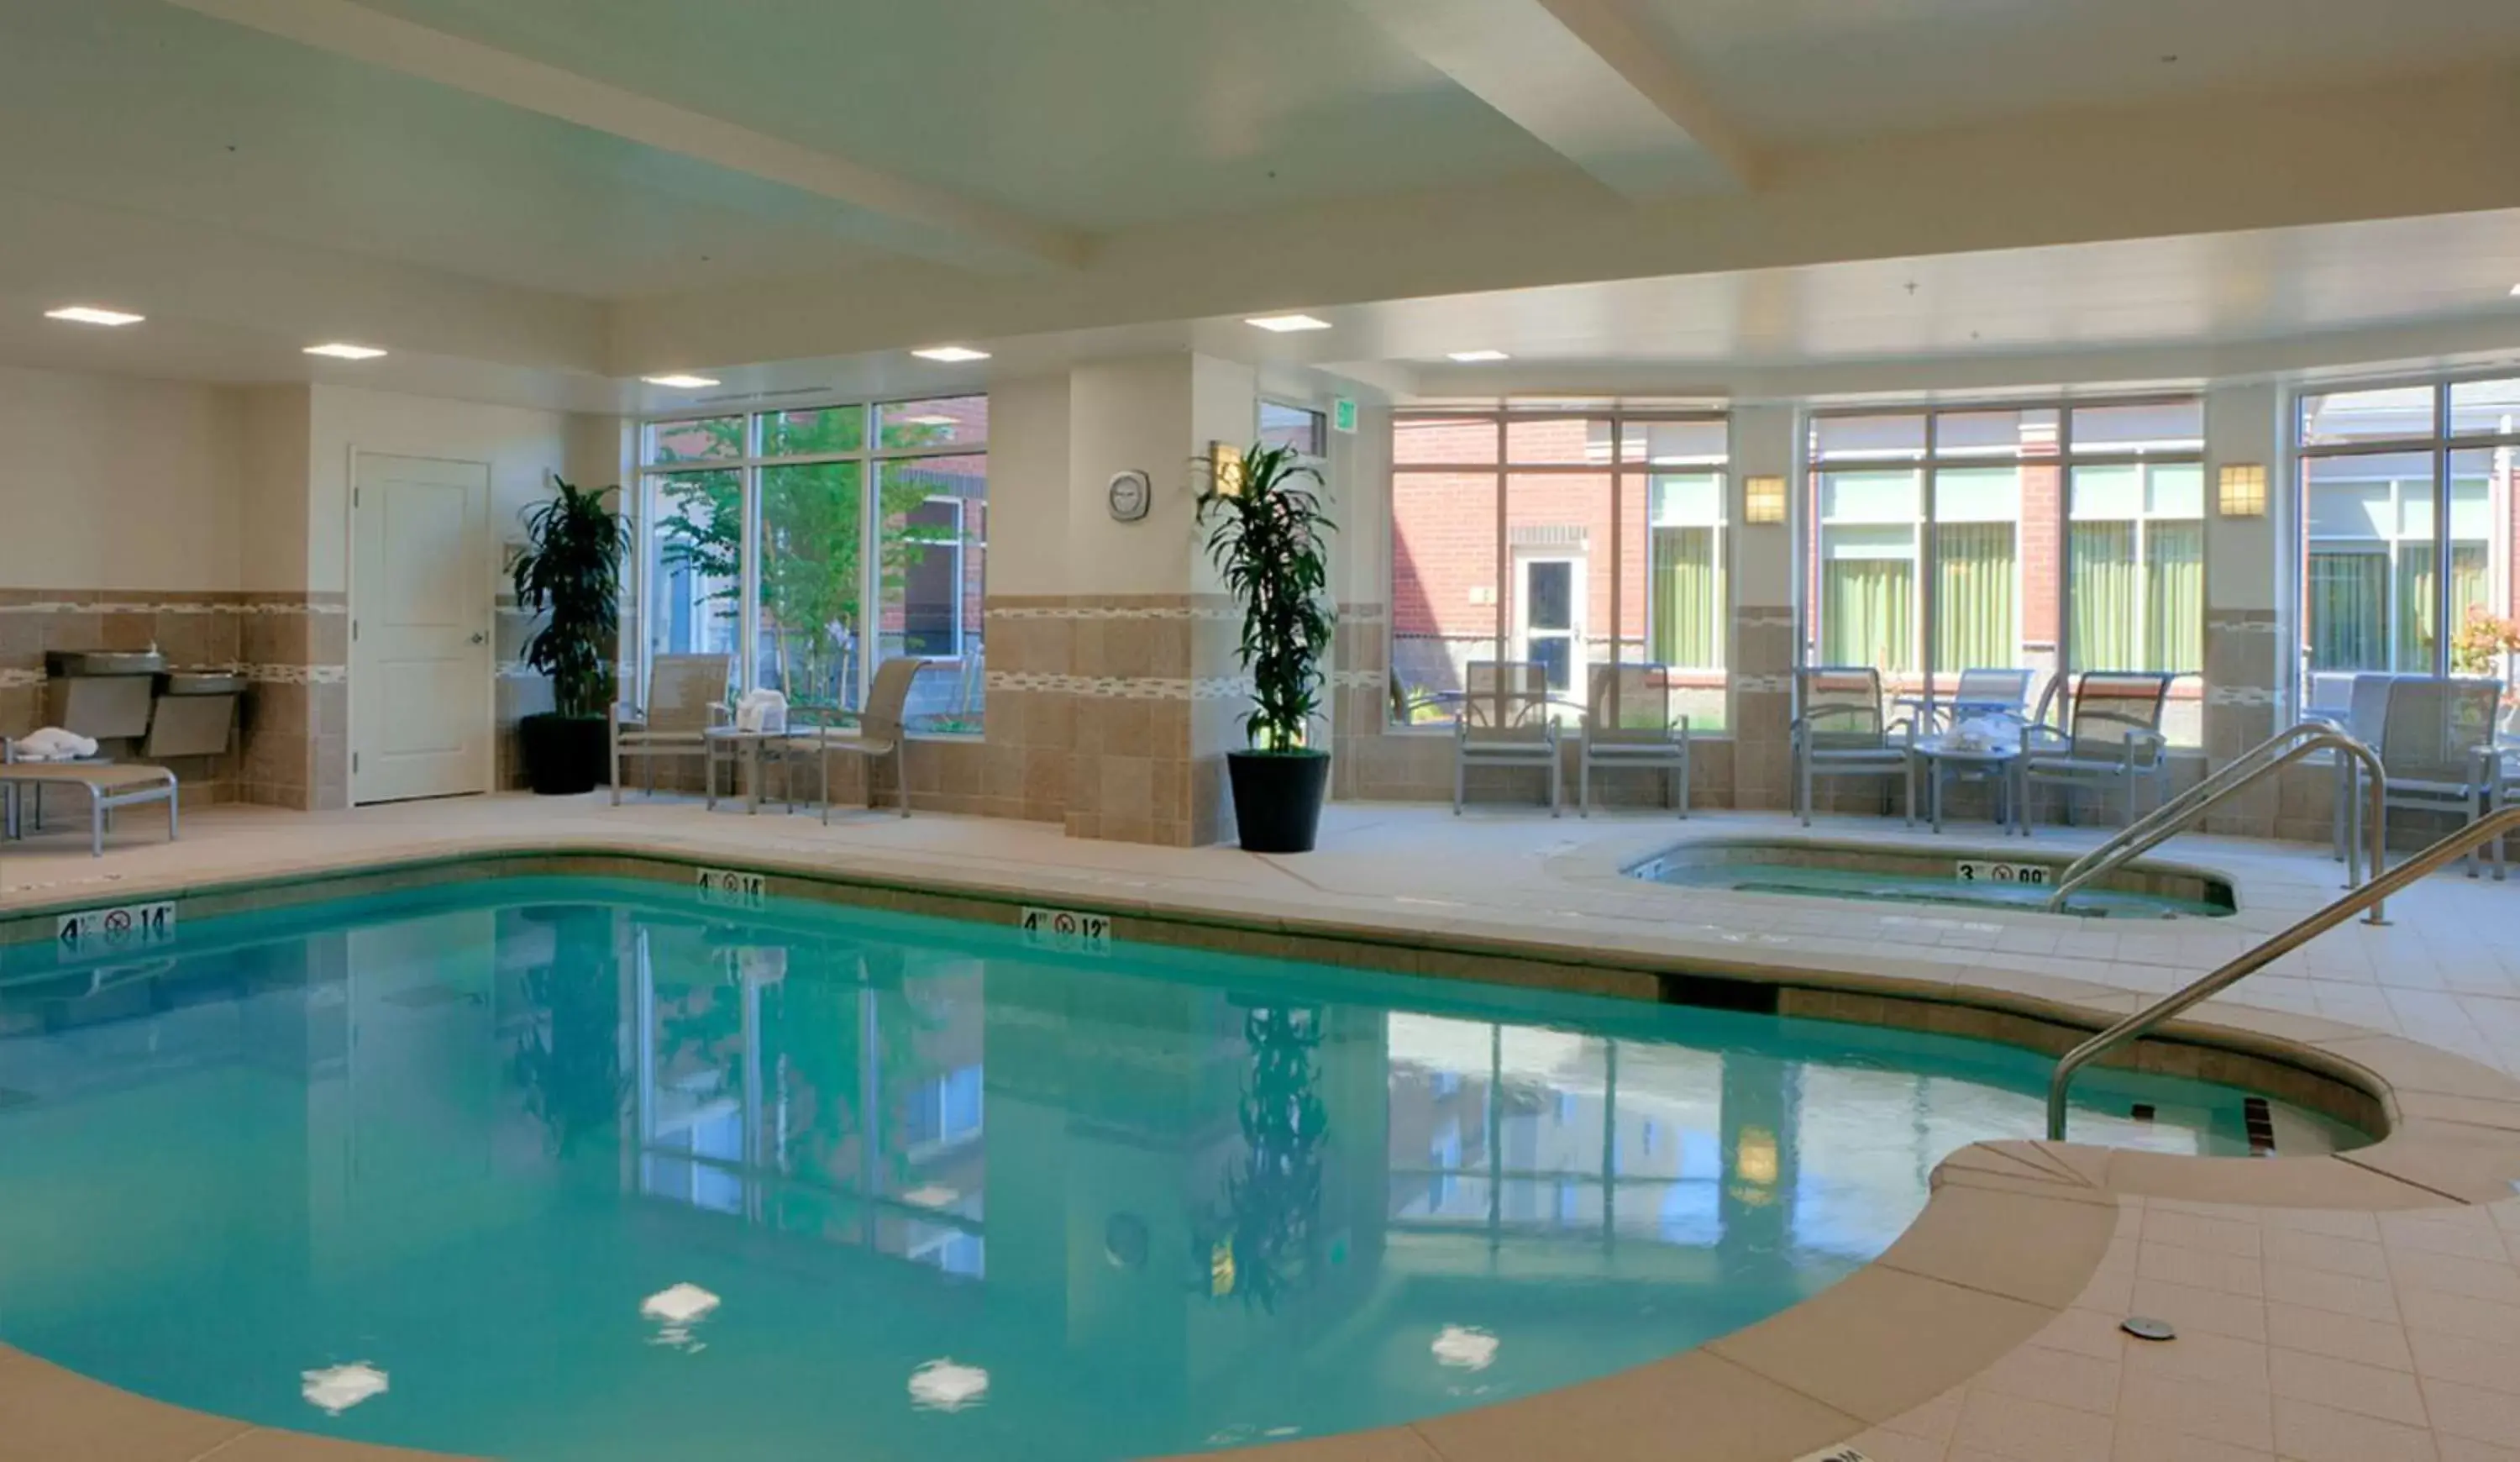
pixel 2144 1328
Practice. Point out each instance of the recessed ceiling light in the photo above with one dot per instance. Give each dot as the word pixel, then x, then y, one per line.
pixel 929 421
pixel 680 380
pixel 1286 324
pixel 951 355
pixel 1475 357
pixel 89 314
pixel 340 351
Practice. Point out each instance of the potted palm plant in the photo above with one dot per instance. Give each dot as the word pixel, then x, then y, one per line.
pixel 1265 536
pixel 570 574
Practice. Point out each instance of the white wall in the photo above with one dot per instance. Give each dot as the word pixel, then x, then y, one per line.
pixel 111 482
pixel 273 484
pixel 1130 414
pixel 522 447
pixel 1028 488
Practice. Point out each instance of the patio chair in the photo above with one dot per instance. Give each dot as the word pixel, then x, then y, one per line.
pixel 879 733
pixel 1985 692
pixel 1505 721
pixel 686 696
pixel 106 784
pixel 1628 722
pixel 1842 731
pixel 2112 737
pixel 2360 709
pixel 2435 747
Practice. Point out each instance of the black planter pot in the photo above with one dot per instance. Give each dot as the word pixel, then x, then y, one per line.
pixel 1278 797
pixel 562 754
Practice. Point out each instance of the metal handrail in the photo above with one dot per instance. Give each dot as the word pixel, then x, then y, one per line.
pixel 2181 812
pixel 2483 830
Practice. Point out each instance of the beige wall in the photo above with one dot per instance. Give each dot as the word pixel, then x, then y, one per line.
pixel 1028 489
pixel 118 483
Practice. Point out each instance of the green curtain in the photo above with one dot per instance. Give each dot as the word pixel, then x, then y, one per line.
pixel 1868 612
pixel 1974 585
pixel 2416 581
pixel 2471 580
pixel 2106 592
pixel 2348 594
pixel 1687 599
pixel 2174 597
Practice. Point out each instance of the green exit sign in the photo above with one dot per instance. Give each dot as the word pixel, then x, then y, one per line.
pixel 1343 415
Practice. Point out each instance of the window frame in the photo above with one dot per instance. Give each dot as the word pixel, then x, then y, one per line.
pixel 1928 462
pixel 2440 446
pixel 749 467
pixel 1624 476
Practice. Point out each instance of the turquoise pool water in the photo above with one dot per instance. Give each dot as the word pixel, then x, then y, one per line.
pixel 573 1169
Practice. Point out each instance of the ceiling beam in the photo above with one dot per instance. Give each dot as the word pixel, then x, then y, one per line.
pixel 1585 77
pixel 942 225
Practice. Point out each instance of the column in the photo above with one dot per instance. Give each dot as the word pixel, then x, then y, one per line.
pixel 1762 650
pixel 2245 670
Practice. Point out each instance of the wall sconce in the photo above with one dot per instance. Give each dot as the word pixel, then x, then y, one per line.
pixel 1763 500
pixel 1225 468
pixel 2241 490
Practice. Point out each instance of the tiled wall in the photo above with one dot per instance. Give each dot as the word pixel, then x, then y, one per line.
pixel 1111 715
pixel 293 647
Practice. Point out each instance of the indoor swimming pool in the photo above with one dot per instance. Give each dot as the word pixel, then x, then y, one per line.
pixel 1963 878
pixel 561 1170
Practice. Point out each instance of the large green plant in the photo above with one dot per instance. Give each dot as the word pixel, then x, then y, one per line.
pixel 571 573
pixel 1265 535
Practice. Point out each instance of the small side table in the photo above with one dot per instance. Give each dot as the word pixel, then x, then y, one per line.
pixel 741 750
pixel 2005 766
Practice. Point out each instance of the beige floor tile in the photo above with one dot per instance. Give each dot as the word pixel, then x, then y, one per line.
pixel 2348 1386
pixel 2203 1269
pixel 2334 1223
pixel 2033 1248
pixel 1934 1420
pixel 2188 1230
pixel 2306 1431
pixel 2240 1316
pixel 2086 1331
pixel 2318 1289
pixel 1880 1446
pixel 1695 1409
pixel 2461 1316
pixel 2229 1414
pixel 2136 1444
pixel 2202 1356
pixel 2462 1449
pixel 2082 1382
pixel 2324 1332
pixel 2472 1412
pixel 2462 1233
pixel 2026 1431
pixel 48 1414
pixel 1882 1341
pixel 2466 1361
pixel 2416 1269
pixel 2321 1252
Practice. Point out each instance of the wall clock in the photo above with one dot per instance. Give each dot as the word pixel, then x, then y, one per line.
pixel 1132 493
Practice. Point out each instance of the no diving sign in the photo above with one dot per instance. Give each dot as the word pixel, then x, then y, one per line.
pixel 1072 930
pixel 126 926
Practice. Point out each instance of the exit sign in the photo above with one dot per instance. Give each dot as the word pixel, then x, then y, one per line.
pixel 1343 415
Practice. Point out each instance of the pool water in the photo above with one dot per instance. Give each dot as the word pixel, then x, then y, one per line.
pixel 566 1169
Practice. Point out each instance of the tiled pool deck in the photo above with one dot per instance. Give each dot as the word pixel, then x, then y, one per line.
pixel 2356 1308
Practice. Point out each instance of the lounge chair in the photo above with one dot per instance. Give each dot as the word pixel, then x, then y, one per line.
pixel 1628 722
pixel 2435 747
pixel 879 733
pixel 1842 731
pixel 1505 721
pixel 2112 737
pixel 106 785
pixel 686 696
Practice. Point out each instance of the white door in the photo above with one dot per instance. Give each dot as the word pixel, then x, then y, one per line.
pixel 420 629
pixel 1550 620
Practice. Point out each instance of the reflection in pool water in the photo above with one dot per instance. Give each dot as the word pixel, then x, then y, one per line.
pixel 561 1170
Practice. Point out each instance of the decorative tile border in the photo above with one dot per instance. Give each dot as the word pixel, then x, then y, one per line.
pixel 172 607
pixel 1120 687
pixel 2240 694
pixel 1111 611
pixel 21 679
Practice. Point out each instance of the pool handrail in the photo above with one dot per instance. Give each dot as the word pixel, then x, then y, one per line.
pixel 2275 754
pixel 2475 834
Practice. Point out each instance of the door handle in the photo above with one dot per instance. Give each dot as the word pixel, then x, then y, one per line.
pixel 479 638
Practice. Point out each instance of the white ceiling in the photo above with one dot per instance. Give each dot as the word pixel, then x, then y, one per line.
pixel 1803 70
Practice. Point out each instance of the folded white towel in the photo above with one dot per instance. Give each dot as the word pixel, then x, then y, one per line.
pixel 763 711
pixel 52 743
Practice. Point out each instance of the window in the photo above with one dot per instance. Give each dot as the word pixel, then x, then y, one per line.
pixel 2407 523
pixel 789 501
pixel 1567 539
pixel 2048 539
pixel 1302 427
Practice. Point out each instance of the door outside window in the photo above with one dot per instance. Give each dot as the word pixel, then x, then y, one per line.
pixel 1551 631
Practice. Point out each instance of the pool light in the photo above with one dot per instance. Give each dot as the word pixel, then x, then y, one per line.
pixel 944 1384
pixel 338 1388
pixel 1465 1348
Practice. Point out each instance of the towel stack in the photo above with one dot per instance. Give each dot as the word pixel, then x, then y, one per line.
pixel 52 744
